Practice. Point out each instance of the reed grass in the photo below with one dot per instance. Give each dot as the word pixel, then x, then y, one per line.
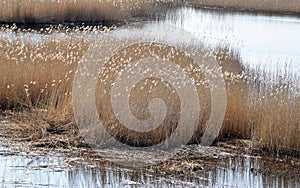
pixel 36 84
pixel 32 77
pixel 236 122
pixel 35 90
pixel 276 105
pixel 76 11
pixel 95 11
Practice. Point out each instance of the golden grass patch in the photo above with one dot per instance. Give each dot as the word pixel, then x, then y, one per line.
pixel 37 80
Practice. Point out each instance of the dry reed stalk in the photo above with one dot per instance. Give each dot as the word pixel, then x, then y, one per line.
pixel 277 121
pixel 236 122
pixel 30 72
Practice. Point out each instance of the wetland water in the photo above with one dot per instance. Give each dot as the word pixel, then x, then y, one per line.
pixel 271 42
pixel 64 168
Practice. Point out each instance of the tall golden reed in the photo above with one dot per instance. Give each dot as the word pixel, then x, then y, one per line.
pixel 37 78
pixel 88 11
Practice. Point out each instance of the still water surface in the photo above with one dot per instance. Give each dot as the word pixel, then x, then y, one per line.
pixel 268 41
pixel 57 169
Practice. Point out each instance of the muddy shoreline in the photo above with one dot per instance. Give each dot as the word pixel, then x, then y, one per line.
pixel 188 160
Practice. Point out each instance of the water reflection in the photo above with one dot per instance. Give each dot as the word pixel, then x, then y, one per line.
pixel 271 42
pixel 260 39
pixel 54 169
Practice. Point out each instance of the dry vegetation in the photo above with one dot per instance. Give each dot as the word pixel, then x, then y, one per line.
pixel 262 106
pixel 36 81
pixel 88 11
pixel 35 94
pixel 95 11
pixel 236 121
pixel 276 112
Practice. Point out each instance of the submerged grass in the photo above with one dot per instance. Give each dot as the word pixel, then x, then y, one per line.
pixel 35 92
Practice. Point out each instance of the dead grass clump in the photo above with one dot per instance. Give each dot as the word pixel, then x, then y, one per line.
pixel 34 129
pixel 261 106
pixel 279 133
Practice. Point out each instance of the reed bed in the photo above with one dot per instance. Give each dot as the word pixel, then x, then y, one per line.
pixel 236 120
pixel 35 91
pixel 77 11
pixel 276 101
pixel 95 11
pixel 274 6
pixel 31 78
pixel 36 86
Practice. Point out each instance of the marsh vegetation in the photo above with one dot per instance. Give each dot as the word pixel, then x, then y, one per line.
pixel 37 69
pixel 78 11
pixel 36 92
